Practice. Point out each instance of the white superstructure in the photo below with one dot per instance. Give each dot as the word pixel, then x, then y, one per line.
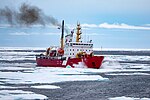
pixel 71 49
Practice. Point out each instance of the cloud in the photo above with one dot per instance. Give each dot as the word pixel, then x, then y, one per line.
pixel 50 33
pixel 4 25
pixel 89 25
pixel 122 26
pixel 117 26
pixel 24 26
pixel 147 24
pixel 19 33
pixel 27 34
pixel 96 34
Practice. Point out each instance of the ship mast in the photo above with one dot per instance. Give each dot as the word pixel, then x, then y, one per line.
pixel 62 35
pixel 78 37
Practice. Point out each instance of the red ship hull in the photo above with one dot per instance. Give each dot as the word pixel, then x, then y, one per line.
pixel 89 62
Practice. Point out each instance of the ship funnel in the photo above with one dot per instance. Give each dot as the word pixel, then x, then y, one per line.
pixel 62 35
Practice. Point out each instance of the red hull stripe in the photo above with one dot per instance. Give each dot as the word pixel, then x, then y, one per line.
pixel 90 62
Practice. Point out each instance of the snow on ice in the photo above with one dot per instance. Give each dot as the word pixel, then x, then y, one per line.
pixel 128 98
pixel 46 87
pixel 20 95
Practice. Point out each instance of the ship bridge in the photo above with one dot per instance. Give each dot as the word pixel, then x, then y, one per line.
pixel 72 48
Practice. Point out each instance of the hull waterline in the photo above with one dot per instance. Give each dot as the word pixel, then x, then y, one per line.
pixel 88 62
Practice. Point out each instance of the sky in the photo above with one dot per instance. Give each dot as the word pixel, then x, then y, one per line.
pixel 109 23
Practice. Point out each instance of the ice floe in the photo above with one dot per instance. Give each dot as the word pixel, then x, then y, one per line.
pixel 128 98
pixel 4 87
pixel 1 83
pixel 20 95
pixel 46 87
pixel 15 68
pixel 48 75
pixel 128 74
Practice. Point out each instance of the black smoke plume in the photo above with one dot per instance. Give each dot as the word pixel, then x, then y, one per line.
pixel 27 15
pixel 7 14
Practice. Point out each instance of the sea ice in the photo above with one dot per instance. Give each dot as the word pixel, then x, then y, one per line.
pixel 128 98
pixel 4 87
pixel 128 74
pixel 20 95
pixel 46 87
pixel 51 75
